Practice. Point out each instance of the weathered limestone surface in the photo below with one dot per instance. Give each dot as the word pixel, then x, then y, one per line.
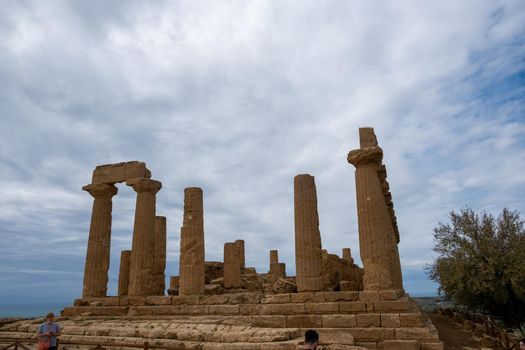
pixel 337 270
pixel 160 255
pixel 99 242
pixel 120 172
pixel 347 255
pixel 376 236
pixel 123 275
pixel 308 261
pixel 240 246
pixel 232 266
pixel 141 274
pixel 191 270
pixel 174 285
pixel 277 269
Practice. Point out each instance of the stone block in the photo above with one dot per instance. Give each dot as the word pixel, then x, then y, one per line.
pixel 119 172
pixel 401 345
pixel 276 299
pixel 185 299
pixel 307 297
pixel 109 311
pixel 339 321
pixel 109 301
pixel 245 298
pixel 372 334
pixel 368 295
pixel 69 311
pixel 391 306
pixel 367 345
pixel 390 320
pixel 214 300
pixel 412 320
pixel 352 306
pixel 341 296
pixel 304 321
pixel 271 321
pixel 251 309
pixel 194 309
pixel 321 308
pixel 368 320
pixel 223 309
pixel 340 338
pixel 414 333
pixel 132 301
pixel 158 300
pixel 393 294
pixel 287 309
pixel 431 346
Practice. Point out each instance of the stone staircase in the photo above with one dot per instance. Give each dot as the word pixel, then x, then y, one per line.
pixel 344 320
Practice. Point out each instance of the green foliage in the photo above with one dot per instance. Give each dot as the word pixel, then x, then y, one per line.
pixel 481 262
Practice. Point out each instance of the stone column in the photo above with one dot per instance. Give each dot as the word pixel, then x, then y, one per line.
pixel 376 235
pixel 232 266
pixel 277 270
pixel 308 261
pixel 141 280
pixel 160 254
pixel 191 266
pixel 240 246
pixel 347 255
pixel 123 275
pixel 99 242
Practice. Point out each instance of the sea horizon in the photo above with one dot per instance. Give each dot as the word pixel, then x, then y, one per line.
pixel 31 310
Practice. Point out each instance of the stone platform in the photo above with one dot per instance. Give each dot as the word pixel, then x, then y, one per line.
pixel 387 320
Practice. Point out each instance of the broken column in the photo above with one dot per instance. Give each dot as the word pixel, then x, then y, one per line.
pixel 308 261
pixel 160 255
pixel 347 255
pixel 191 267
pixel 99 242
pixel 141 280
pixel 240 246
pixel 232 266
pixel 123 275
pixel 376 235
pixel 277 269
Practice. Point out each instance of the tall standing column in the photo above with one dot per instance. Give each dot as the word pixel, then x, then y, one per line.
pixel 308 261
pixel 99 242
pixel 160 254
pixel 376 236
pixel 232 266
pixel 191 266
pixel 141 280
pixel 123 275
pixel 240 246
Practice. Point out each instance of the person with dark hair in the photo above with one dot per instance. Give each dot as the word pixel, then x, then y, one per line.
pixel 522 344
pixel 311 340
pixel 49 331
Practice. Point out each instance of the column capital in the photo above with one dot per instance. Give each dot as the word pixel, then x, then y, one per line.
pixel 366 155
pixel 144 185
pixel 101 191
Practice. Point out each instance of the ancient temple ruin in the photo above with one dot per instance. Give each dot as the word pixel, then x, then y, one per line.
pixel 227 305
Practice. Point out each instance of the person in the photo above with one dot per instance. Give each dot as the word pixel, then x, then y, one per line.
pixel 522 344
pixel 49 329
pixel 311 339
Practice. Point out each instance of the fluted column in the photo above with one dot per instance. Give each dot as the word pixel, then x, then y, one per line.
pixel 308 261
pixel 232 266
pixel 99 242
pixel 141 280
pixel 123 275
pixel 191 266
pixel 160 254
pixel 376 236
pixel 240 246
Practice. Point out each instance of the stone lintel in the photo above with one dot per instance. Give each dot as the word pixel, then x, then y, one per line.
pixel 120 172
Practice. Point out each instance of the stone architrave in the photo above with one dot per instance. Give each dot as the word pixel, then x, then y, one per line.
pixel 308 260
pixel 347 255
pixel 192 266
pixel 240 246
pixel 141 273
pixel 376 235
pixel 232 266
pixel 123 275
pixel 99 242
pixel 160 255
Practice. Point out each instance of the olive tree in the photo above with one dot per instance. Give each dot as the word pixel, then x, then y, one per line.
pixel 481 262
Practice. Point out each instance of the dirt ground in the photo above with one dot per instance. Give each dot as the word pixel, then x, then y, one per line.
pixel 452 335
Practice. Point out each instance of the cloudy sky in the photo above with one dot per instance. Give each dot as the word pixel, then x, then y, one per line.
pixel 238 97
